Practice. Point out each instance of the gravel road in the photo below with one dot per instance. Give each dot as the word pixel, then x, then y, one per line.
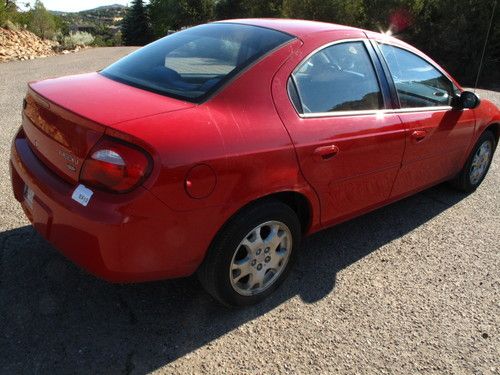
pixel 411 288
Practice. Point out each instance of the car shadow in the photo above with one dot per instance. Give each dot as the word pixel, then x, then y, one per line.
pixel 57 318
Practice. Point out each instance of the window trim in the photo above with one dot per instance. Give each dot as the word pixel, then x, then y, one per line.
pixel 388 74
pixel 376 112
pixel 385 99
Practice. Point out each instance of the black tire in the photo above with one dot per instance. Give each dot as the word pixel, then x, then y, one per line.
pixel 463 181
pixel 214 272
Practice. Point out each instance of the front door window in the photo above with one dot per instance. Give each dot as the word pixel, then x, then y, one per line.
pixel 418 83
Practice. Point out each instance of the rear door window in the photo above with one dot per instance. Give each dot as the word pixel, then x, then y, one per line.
pixel 340 77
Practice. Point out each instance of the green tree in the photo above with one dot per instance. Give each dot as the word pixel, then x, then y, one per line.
pixel 226 9
pixel 336 11
pixel 41 22
pixel 165 16
pixel 198 11
pixel 453 32
pixel 8 10
pixel 271 8
pixel 60 24
pixel 174 14
pixel 136 28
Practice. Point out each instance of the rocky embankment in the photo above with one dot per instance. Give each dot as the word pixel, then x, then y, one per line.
pixel 23 45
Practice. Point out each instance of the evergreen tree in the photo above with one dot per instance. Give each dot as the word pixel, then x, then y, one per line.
pixel 41 21
pixel 226 9
pixel 335 11
pixel 198 11
pixel 136 29
pixel 174 14
pixel 266 9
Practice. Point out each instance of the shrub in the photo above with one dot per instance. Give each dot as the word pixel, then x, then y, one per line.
pixel 99 41
pixel 9 25
pixel 77 39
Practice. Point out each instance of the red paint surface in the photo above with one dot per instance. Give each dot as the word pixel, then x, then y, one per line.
pixel 250 143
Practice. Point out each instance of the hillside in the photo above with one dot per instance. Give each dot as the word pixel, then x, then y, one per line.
pixel 103 22
pixel 104 8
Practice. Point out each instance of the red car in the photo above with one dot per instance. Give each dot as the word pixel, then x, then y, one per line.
pixel 215 149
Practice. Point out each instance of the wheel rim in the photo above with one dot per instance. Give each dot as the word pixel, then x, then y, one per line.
pixel 480 162
pixel 260 258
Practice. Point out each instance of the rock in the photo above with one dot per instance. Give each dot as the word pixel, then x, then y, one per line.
pixel 23 45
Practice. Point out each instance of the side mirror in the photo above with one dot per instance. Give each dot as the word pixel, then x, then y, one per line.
pixel 467 99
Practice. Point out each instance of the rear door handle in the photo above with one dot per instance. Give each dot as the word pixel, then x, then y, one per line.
pixel 326 152
pixel 419 135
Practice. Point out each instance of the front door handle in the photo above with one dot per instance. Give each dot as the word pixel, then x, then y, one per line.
pixel 419 135
pixel 326 152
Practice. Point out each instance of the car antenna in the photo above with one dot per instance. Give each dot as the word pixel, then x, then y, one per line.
pixel 485 43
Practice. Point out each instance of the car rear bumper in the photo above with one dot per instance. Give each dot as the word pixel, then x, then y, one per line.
pixel 118 237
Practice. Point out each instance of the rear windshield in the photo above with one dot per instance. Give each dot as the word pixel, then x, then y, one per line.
pixel 193 63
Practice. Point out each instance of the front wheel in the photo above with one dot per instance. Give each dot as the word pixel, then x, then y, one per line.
pixel 252 254
pixel 477 165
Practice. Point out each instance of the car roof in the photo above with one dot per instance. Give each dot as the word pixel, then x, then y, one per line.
pixel 302 28
pixel 298 28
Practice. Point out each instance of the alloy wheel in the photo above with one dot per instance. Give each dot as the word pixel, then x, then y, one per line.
pixel 260 258
pixel 480 162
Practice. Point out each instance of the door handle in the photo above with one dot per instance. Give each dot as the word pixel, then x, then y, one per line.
pixel 326 152
pixel 419 135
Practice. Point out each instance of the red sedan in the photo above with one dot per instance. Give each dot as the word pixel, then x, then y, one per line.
pixel 215 149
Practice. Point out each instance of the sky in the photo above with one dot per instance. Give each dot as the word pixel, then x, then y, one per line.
pixel 73 5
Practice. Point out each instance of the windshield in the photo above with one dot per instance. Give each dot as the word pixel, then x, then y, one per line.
pixel 193 63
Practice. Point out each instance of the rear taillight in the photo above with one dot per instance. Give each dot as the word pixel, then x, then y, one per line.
pixel 115 166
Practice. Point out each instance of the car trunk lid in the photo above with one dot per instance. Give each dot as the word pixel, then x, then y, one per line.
pixel 64 118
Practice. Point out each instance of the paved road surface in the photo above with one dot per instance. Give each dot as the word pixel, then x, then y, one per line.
pixel 411 288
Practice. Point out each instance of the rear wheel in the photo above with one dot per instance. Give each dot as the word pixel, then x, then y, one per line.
pixel 252 254
pixel 477 164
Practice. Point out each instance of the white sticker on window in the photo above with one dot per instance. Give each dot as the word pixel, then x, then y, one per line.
pixel 82 195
